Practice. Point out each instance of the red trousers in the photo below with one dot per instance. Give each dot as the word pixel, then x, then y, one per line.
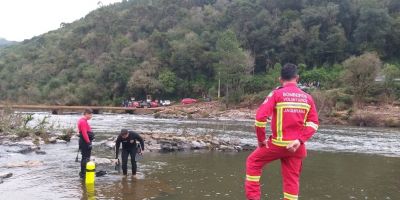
pixel 290 166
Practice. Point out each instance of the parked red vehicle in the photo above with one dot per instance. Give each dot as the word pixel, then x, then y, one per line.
pixel 154 104
pixel 135 104
pixel 188 101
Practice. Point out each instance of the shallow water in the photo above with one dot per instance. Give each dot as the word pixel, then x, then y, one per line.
pixel 343 163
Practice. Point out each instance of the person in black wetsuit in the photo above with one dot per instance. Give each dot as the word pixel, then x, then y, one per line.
pixel 129 147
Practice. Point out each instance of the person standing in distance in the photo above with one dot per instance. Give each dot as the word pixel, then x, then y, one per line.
pixel 294 121
pixel 129 147
pixel 86 137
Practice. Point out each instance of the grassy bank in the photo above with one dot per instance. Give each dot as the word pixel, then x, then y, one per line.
pixel 17 126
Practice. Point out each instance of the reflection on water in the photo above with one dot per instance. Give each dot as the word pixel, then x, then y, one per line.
pixel 214 175
pixel 336 171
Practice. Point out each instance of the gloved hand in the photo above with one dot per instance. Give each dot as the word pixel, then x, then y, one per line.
pixel 90 146
pixel 263 144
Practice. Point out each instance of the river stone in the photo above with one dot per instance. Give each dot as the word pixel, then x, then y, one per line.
pixel 25 149
pixel 40 152
pixel 25 143
pixel 100 161
pixel 226 148
pixel 53 140
pixel 29 163
pixel 61 141
pixel 248 147
pixel 238 148
pixel 198 145
pixel 5 175
pixel 215 142
pixel 57 133
pixel 165 146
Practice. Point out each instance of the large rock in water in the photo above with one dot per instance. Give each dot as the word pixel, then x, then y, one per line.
pixel 5 175
pixel 53 140
pixel 25 149
pixel 104 161
pixel 29 163
pixel 198 145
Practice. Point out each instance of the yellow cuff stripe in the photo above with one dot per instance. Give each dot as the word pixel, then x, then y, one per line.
pixel 290 196
pixel 312 125
pixel 253 178
pixel 260 124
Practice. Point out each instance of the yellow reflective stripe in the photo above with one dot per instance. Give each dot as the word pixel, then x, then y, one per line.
pixel 293 104
pixel 281 143
pixel 260 124
pixel 279 117
pixel 306 116
pixel 312 125
pixel 253 178
pixel 290 196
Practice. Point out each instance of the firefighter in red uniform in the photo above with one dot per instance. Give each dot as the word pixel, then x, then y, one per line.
pixel 86 137
pixel 294 121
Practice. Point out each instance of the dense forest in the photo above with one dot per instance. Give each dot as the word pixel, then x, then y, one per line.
pixel 185 48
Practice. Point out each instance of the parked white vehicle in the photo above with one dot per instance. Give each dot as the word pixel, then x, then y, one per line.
pixel 165 102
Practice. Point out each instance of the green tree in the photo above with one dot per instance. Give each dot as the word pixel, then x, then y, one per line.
pixel 168 80
pixel 391 83
pixel 231 66
pixel 372 27
pixel 360 73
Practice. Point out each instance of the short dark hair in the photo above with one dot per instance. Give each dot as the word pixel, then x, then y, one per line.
pixel 124 131
pixel 87 111
pixel 288 72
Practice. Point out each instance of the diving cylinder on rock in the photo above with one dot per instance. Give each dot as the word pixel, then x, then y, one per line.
pixel 90 172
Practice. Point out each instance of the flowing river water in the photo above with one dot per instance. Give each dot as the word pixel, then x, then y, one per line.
pixel 342 163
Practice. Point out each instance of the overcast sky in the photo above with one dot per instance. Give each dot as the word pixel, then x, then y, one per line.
pixel 24 19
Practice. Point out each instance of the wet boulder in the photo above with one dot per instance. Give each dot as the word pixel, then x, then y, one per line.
pixel 198 145
pixel 52 140
pixel 24 149
pixel 61 141
pixel 5 175
pixel 104 161
pixel 238 148
pixel 28 164
pixel 223 147
pixel 152 146
pixel 248 147
pixel 40 152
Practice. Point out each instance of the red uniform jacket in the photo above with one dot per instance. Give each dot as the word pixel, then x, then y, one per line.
pixel 293 112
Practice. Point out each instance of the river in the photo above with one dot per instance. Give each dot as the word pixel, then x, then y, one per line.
pixel 342 163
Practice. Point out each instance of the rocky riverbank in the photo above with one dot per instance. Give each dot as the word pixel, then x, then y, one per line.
pixel 368 116
pixel 213 109
pixel 169 142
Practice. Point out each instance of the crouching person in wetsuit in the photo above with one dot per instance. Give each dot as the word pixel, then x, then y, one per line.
pixel 86 137
pixel 129 147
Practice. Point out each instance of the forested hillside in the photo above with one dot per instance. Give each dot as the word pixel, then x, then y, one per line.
pixel 182 48
pixel 4 42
